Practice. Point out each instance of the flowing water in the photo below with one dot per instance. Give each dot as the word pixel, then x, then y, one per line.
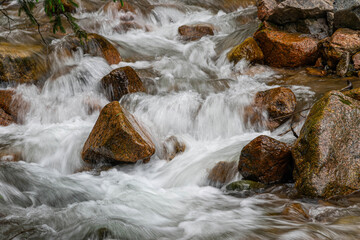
pixel 195 94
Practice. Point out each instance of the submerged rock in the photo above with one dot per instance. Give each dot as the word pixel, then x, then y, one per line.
pixel 327 152
pixel 266 160
pixel 222 173
pixel 121 81
pixel 278 103
pixel 248 50
pixel 195 32
pixel 347 14
pixel 282 49
pixel 295 211
pixel 316 72
pixel 22 63
pixel 287 11
pixel 95 45
pixel 173 147
pixel 117 138
pixel 245 185
pixel 13 105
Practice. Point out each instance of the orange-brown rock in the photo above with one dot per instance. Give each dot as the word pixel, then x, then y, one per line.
pixel 117 6
pixel 68 6
pixel 121 81
pixel 295 211
pixel 354 93
pixel 278 103
pixel 282 49
pixel 266 160
pixel 13 105
pixel 316 72
pixel 95 45
pixel 342 41
pixel 222 173
pixel 248 50
pixel 5 119
pixel 173 147
pixel 22 63
pixel 10 156
pixel 117 138
pixel 195 32
pixel 356 61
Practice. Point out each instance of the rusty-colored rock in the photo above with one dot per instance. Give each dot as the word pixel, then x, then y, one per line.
pixel 278 103
pixel 283 49
pixel 316 72
pixel 22 63
pixel 117 138
pixel 13 105
pixel 266 160
pixel 295 211
pixel 249 50
pixel 222 173
pixel 173 147
pixel 327 152
pixel 121 81
pixel 354 93
pixel 195 32
pixel 5 119
pixel 356 61
pixel 126 7
pixel 95 45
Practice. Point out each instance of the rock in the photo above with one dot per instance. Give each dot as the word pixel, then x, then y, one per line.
pixel 233 5
pixel 5 119
pixel 354 94
pixel 116 6
pixel 22 63
pixel 342 41
pixel 245 185
pixel 356 61
pixel 283 49
pixel 278 103
pixel 121 81
pixel 195 32
pixel 222 173
pixel 9 156
pixel 316 28
pixel 13 105
pixel 173 147
pixel 117 138
pixel 249 50
pixel 347 14
pixel 295 211
pixel 68 6
pixel 343 65
pixel 287 11
pixel 327 152
pixel 95 45
pixel 316 72
pixel 266 160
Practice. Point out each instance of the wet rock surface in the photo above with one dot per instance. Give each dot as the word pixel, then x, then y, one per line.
pixel 173 147
pixel 248 50
pixel 326 154
pixel 245 185
pixel 266 160
pixel 195 32
pixel 117 138
pixel 121 81
pixel 347 14
pixel 222 173
pixel 13 105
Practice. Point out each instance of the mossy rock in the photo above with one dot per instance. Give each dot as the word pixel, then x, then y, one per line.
pixel 327 152
pixel 243 185
pixel 248 50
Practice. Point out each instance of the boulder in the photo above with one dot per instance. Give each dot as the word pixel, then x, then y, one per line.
pixel 248 50
pixel 316 28
pixel 116 6
pixel 95 45
pixel 342 41
pixel 121 81
pixel 13 105
pixel 278 103
pixel 5 119
pixel 222 173
pixel 356 60
pixel 282 49
pixel 22 63
pixel 347 14
pixel 327 152
pixel 287 11
pixel 173 147
pixel 266 160
pixel 117 138
pixel 195 32
pixel 245 185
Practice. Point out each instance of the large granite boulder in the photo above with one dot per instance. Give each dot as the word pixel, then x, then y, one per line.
pixel 327 152
pixel 117 138
pixel 288 11
pixel 195 32
pixel 22 63
pixel 347 14
pixel 266 160
pixel 248 50
pixel 121 81
pixel 282 49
